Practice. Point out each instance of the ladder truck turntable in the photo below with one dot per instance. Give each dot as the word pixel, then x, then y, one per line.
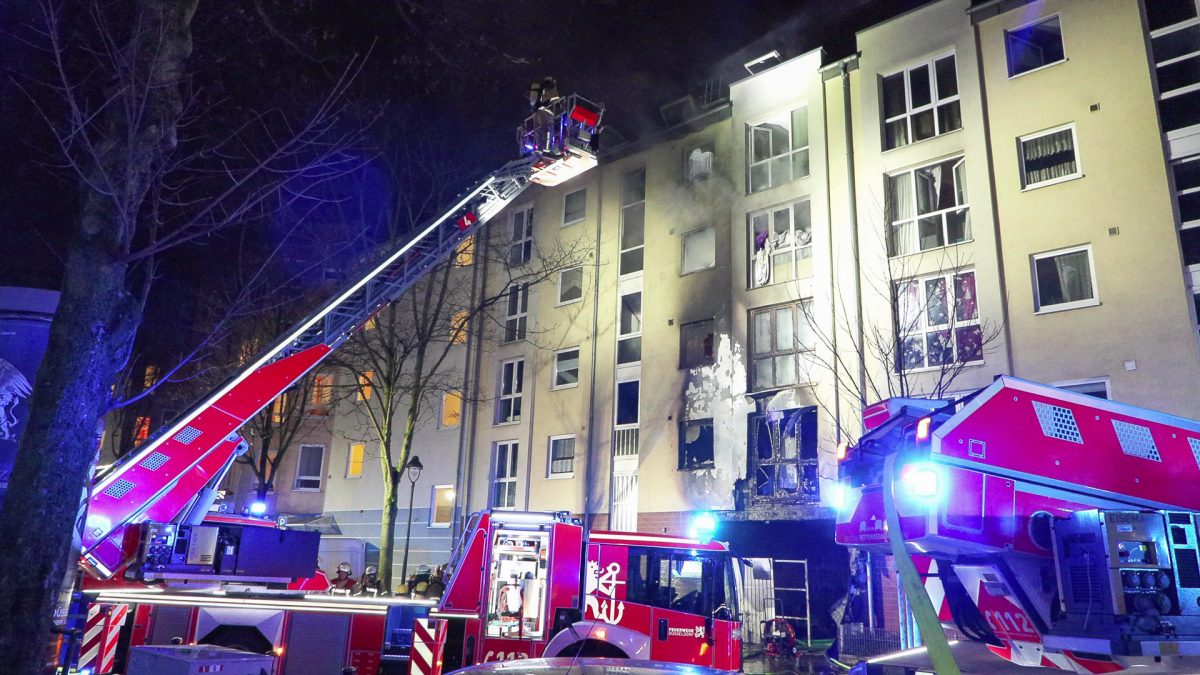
pixel 1059 528
pixel 149 542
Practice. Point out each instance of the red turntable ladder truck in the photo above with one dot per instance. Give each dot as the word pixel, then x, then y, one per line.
pixel 1059 528
pixel 527 585
pixel 147 518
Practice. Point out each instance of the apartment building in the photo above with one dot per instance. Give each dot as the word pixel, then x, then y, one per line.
pixel 985 188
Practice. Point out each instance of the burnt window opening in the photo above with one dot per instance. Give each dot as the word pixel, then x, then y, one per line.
pixel 783 456
pixel 696 444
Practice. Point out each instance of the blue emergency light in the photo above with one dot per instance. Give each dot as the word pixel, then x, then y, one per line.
pixel 704 526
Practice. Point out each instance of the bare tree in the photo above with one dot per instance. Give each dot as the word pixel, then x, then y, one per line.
pixel 153 175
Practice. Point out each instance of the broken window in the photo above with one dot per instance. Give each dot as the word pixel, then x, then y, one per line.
pixel 504 477
pixel 570 285
pixel 920 103
pixel 696 444
pixel 698 163
pixel 562 455
pixel 932 331
pixel 517 316
pixel 1063 279
pixel 512 384
pixel 633 220
pixel 781 248
pixel 629 334
pixel 783 457
pixel 777 151
pixel 521 249
pixel 927 207
pixel 696 344
pixel 699 250
pixel 566 368
pixel 1034 46
pixel 1049 157
pixel 780 335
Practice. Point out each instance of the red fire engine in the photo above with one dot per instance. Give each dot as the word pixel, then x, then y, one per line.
pixel 147 519
pixel 525 585
pixel 1059 528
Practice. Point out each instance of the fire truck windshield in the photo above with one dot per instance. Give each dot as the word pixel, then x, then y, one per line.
pixel 695 582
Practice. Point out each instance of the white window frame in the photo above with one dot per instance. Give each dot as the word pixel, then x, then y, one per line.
pixel 1064 306
pixel 433 495
pixel 914 221
pixel 799 353
pixel 790 153
pixel 565 221
pixel 515 395
pixel 349 461
pixel 559 291
pixel 550 473
pixel 617 407
pixel 621 233
pixel 923 328
pixel 798 250
pixel 683 328
pixel 1021 140
pixel 513 452
pixel 522 242
pixel 683 241
pixel 554 368
pixel 633 334
pixel 320 477
pixel 935 101
pixel 1028 24
pixel 1106 381
pixel 519 320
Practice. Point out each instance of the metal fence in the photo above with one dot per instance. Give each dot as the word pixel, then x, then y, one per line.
pixel 855 639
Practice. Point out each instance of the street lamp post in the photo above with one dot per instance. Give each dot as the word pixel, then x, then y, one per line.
pixel 413 466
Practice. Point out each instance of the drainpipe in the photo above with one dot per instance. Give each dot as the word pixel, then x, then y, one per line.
pixel 833 340
pixel 852 199
pixel 589 468
pixel 466 443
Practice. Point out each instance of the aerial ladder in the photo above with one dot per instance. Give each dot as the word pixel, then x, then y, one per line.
pixel 1060 529
pixel 149 514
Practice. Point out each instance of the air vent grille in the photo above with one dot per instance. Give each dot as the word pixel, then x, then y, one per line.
pixel 1057 422
pixel 1188 568
pixel 187 435
pixel 154 462
pixel 1136 440
pixel 119 488
pixel 1085 587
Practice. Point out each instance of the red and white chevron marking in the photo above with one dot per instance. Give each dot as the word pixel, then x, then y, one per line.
pixel 100 635
pixel 429 638
pixel 928 569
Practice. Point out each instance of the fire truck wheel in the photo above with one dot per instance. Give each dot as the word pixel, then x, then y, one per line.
pixel 586 648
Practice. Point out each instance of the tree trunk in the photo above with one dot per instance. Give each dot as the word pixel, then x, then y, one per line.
pixel 387 530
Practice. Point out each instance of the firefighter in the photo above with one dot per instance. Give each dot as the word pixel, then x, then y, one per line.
pixel 344 582
pixel 542 94
pixel 369 583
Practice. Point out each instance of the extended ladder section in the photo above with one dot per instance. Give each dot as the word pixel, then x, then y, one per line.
pixel 163 478
pixel 1078 443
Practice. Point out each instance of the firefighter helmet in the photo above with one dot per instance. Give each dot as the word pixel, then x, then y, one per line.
pixel 344 567
pixel 371 569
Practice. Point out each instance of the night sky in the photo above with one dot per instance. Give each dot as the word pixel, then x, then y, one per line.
pixel 465 64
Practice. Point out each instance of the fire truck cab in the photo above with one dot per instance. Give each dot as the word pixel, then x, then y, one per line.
pixel 526 585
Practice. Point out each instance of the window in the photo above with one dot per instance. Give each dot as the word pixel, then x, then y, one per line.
pixel 354 460
pixel 782 244
pixel 699 250
pixel 566 368
pixel 920 103
pixel 512 383
pixel 570 285
pixel 279 407
pixel 1097 388
pixel 627 402
pixel 629 330
pixel 464 253
pixel 504 476
pixel 308 468
pixel 451 415
pixel 321 396
pixel 1048 157
pixel 1064 279
pixel 364 388
pixel 141 429
pixel 633 221
pixel 562 456
pixel 517 315
pixel 575 206
pixel 783 457
pixel 458 327
pixel 521 249
pixel 441 506
pixel 696 444
pixel 698 163
pixel 698 583
pixel 150 376
pixel 932 332
pixel 777 151
pixel 696 343
pixel 927 207
pixel 1034 46
pixel 781 333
